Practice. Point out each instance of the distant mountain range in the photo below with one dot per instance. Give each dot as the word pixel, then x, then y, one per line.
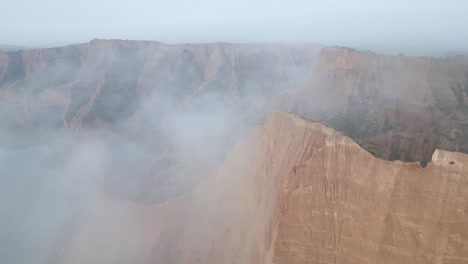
pixel 12 47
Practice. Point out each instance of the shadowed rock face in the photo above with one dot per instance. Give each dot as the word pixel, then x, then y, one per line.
pixel 292 191
pixel 105 80
pixel 168 100
pixel 396 107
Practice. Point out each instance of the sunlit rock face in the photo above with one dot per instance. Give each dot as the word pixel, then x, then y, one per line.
pixel 292 191
pixel 342 205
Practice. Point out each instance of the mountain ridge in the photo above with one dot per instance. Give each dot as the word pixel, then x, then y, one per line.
pixel 291 191
pixel 376 99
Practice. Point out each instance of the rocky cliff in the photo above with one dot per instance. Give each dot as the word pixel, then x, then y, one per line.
pixel 342 205
pixel 292 191
pixel 397 107
pixel 142 152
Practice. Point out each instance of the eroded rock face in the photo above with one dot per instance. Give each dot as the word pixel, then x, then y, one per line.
pixel 163 101
pixel 345 206
pixel 397 107
pixel 230 217
pixel 107 79
pixel 293 191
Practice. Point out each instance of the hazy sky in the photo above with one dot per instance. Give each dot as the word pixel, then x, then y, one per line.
pixel 377 24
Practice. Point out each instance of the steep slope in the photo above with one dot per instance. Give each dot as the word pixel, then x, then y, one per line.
pixel 397 107
pixel 228 218
pixel 104 80
pixel 163 100
pixel 342 205
pixel 293 191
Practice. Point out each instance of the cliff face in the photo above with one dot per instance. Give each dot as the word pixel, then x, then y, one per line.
pixel 396 107
pixel 168 189
pixel 166 99
pixel 292 192
pixel 345 206
pixel 229 217
pixel 105 80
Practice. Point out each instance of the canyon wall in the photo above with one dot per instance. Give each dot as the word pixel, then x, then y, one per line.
pixel 142 152
pixel 292 191
pixel 397 107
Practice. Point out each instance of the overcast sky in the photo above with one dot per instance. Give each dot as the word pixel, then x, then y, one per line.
pixel 421 25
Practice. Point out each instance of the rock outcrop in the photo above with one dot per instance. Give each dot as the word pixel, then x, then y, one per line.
pixel 293 191
pixel 343 205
